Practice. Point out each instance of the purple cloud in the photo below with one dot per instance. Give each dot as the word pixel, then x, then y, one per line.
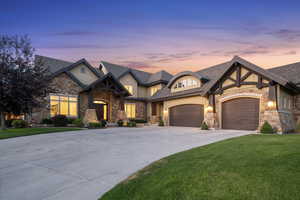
pixel 286 34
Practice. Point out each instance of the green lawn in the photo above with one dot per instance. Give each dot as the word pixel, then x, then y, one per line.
pixel 264 167
pixel 17 132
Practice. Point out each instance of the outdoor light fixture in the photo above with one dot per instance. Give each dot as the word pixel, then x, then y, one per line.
pixel 271 104
pixel 209 109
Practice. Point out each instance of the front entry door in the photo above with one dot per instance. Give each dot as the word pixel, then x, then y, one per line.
pixel 101 111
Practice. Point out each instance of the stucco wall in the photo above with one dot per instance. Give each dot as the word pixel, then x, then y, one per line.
pixel 189 100
pixel 142 91
pixel 87 77
pixel 187 87
pixel 129 80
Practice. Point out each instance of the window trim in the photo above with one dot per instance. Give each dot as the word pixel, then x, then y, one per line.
pixel 134 113
pixel 59 95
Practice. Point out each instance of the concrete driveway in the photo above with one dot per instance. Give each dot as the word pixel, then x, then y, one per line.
pixel 85 164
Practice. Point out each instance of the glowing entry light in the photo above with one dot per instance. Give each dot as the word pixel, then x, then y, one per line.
pixel 209 109
pixel 271 104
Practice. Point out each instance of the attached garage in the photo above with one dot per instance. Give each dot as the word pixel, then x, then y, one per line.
pixel 189 115
pixel 240 114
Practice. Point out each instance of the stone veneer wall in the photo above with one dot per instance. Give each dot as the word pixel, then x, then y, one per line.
pixel 296 110
pixel 243 91
pixel 281 119
pixel 63 84
pixel 114 103
pixel 140 109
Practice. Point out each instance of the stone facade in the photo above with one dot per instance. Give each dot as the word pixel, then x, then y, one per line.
pixel 140 109
pixel 114 103
pixel 63 84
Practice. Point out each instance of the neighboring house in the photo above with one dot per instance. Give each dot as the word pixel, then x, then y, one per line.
pixel 233 95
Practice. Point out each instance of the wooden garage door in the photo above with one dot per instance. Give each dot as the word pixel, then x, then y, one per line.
pixel 240 114
pixel 190 115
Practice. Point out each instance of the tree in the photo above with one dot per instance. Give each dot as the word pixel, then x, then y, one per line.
pixel 23 82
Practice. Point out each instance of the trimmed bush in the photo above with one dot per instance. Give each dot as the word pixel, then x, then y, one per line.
pixel 103 123
pixel 297 130
pixel 161 123
pixel 139 121
pixel 60 120
pixel 267 128
pixel 8 123
pixel 204 126
pixel 131 124
pixel 19 123
pixel 71 120
pixel 46 121
pixel 78 122
pixel 95 125
pixel 120 123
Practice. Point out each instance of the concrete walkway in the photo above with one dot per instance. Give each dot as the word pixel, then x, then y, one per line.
pixel 85 164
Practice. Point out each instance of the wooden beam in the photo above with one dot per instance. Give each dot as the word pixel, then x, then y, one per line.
pixel 259 84
pixel 238 76
pixel 246 76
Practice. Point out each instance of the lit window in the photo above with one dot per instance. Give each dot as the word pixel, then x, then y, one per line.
pixel 130 110
pixel 63 105
pixel 129 88
pixel 153 90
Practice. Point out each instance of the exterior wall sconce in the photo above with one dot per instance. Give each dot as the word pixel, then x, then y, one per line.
pixel 209 109
pixel 165 112
pixel 271 104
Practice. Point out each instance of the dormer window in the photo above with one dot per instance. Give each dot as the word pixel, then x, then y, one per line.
pixel 186 83
pixel 82 70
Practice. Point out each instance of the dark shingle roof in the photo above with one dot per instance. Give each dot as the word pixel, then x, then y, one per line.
pixel 290 72
pixel 143 78
pixel 53 64
pixel 282 75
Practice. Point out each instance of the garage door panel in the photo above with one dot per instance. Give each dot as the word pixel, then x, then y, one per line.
pixel 189 115
pixel 241 114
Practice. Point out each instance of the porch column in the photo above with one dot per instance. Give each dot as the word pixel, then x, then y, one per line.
pixel 210 115
pixel 90 114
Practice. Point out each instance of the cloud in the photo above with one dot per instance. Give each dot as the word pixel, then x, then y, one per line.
pixel 286 34
pixel 75 33
pixel 79 46
pixel 162 57
pixel 290 53
pixel 138 65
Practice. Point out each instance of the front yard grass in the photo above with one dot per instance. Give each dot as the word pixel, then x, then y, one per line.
pixel 265 167
pixel 18 132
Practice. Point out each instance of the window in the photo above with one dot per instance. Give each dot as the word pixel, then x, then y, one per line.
pixel 129 88
pixel 153 90
pixel 82 70
pixel 130 110
pixel 186 83
pixel 63 105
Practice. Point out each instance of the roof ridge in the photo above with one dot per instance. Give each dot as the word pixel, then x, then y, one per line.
pixel 54 58
pixel 284 65
pixel 129 68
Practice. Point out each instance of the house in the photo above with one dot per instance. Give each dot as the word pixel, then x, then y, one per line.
pixel 233 95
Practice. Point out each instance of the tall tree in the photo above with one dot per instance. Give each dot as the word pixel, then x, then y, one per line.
pixel 23 82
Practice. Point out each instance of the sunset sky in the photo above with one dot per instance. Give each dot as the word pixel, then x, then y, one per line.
pixel 151 35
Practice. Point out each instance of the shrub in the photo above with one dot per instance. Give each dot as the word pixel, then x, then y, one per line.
pixel 297 130
pixel 78 122
pixel 71 120
pixel 8 123
pixel 204 126
pixel 267 128
pixel 46 121
pixel 95 125
pixel 19 123
pixel 103 123
pixel 131 124
pixel 161 123
pixel 120 123
pixel 139 121
pixel 60 120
